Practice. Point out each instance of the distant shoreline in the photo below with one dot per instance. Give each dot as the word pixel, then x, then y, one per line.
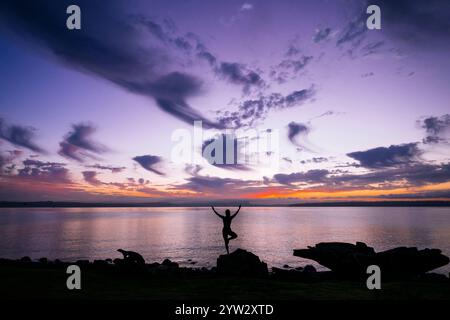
pixel 52 204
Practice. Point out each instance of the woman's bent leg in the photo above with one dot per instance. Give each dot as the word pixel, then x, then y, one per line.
pixel 232 235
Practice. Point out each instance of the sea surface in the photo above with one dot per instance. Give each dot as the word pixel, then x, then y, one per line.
pixel 193 235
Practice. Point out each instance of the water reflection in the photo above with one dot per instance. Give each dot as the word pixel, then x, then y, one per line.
pixel 195 233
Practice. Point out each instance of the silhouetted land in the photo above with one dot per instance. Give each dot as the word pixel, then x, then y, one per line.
pixel 238 275
pixel 57 204
pixel 50 283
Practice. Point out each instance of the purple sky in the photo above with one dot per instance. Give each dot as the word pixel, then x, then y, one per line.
pixel 88 115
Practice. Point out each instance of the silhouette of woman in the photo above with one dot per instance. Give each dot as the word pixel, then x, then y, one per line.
pixel 227 233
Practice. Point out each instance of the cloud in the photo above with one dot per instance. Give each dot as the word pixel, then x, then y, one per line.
pixel 251 111
pixel 233 72
pixel 226 187
pixel 39 171
pixel 437 129
pixel 319 159
pixel 353 32
pixel 170 92
pixel 193 169
pixel 293 64
pixel 413 175
pixel 387 157
pixel 115 52
pixel 91 178
pixel 367 75
pixel 148 162
pixel 238 15
pixel 372 48
pixel 246 6
pixel 204 54
pixel 321 35
pixel 223 152
pixel 297 131
pixel 110 168
pixel 289 68
pixel 7 159
pixel 19 136
pixel 417 22
pixel 227 147
pixel 326 114
pixel 77 144
pixel 311 176
pixel 238 73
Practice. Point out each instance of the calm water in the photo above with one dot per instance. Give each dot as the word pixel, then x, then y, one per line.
pixel 195 233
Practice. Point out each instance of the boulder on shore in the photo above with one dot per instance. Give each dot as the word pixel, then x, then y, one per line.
pixel 170 264
pixel 241 263
pixel 352 260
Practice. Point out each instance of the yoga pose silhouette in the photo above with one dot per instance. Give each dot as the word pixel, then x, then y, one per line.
pixel 226 230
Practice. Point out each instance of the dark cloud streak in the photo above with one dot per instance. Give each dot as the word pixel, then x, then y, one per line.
pixel 114 52
pixel 148 162
pixel 19 136
pixel 77 144
pixel 387 157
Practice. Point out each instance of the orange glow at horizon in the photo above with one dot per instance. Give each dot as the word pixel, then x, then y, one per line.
pixel 276 193
pixel 270 192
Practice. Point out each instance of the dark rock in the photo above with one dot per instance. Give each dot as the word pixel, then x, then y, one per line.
pixel 299 268
pixel 193 262
pixel 309 268
pixel 109 260
pixel 132 257
pixel 349 260
pixel 25 259
pixel 82 262
pixel 169 263
pixel 100 262
pixel 43 260
pixel 153 265
pixel 300 276
pixel 276 270
pixel 241 263
pixel 286 266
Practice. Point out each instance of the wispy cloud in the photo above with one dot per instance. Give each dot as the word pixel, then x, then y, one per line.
pixel 116 54
pixel 251 111
pixel 91 178
pixel 78 143
pixel 109 168
pixel 19 136
pixel 148 162
pixel 437 129
pixel 223 151
pixel 322 35
pixel 298 133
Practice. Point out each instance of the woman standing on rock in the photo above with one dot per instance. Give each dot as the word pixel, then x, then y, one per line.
pixel 227 233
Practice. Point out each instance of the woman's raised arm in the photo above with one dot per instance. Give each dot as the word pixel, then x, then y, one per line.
pixel 234 215
pixel 216 212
